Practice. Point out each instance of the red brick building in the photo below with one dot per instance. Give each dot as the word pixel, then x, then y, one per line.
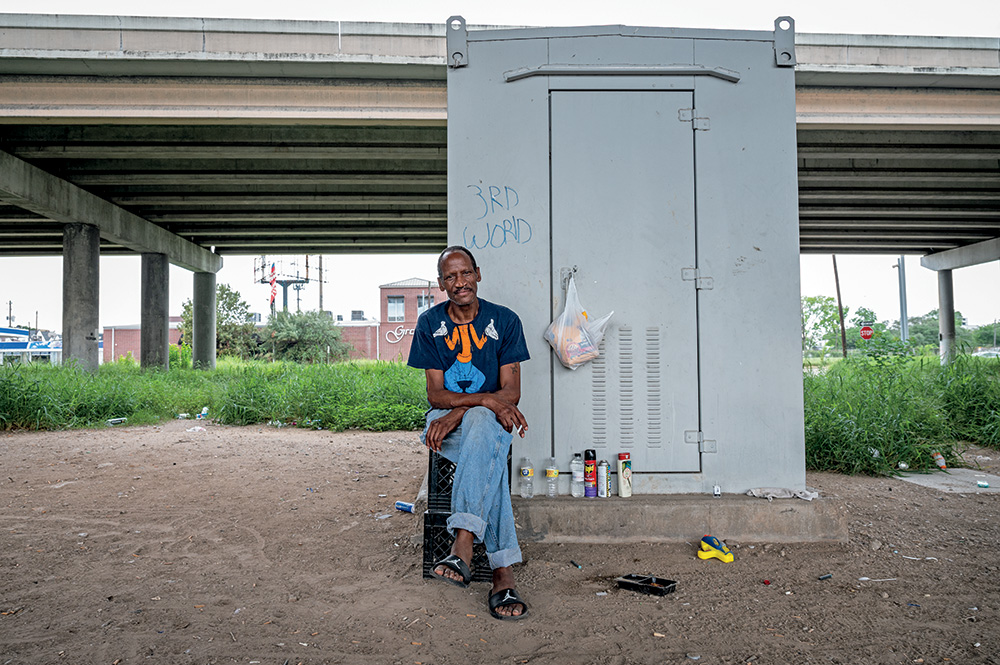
pixel 389 338
pixel 400 305
pixel 120 341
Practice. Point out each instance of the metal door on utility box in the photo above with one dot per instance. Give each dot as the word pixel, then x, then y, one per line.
pixel 623 215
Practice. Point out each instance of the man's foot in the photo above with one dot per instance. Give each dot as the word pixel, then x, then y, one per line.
pixel 462 548
pixel 504 601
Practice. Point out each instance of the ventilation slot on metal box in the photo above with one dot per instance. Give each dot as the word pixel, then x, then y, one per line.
pixel 654 401
pixel 626 387
pixel 599 396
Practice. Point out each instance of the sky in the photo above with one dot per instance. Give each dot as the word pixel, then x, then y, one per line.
pixel 31 286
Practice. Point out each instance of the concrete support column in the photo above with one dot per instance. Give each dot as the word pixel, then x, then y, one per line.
pixel 203 333
pixel 946 316
pixel 81 294
pixel 154 339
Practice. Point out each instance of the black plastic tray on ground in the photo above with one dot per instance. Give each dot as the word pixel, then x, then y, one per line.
pixel 437 545
pixel 650 584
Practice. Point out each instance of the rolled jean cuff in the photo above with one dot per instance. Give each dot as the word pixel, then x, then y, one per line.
pixel 504 558
pixel 469 522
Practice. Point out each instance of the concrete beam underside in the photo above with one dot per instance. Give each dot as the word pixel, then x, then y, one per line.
pixel 154 339
pixel 209 99
pixel 30 188
pixel 905 108
pixel 81 295
pixel 963 257
pixel 203 333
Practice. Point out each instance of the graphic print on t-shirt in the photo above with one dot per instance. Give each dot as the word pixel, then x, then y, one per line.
pixel 462 370
pixel 468 355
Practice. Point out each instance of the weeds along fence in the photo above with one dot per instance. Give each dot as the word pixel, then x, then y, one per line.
pixel 362 395
pixel 868 414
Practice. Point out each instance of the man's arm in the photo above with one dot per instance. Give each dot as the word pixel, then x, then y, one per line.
pixel 503 403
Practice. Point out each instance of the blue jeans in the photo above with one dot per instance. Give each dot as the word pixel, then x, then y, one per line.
pixel 480 495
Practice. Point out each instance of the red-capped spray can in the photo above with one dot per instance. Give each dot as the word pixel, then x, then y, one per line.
pixel 590 473
pixel 603 480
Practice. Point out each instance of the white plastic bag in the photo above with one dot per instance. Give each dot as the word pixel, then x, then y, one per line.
pixel 572 335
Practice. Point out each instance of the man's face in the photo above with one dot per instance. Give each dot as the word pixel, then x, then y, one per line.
pixel 459 279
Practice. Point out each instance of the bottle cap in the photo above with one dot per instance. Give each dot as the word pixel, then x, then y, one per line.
pixel 623 456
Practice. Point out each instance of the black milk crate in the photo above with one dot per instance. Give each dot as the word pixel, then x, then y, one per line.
pixel 437 543
pixel 440 476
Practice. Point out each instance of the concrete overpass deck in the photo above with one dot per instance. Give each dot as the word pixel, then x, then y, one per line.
pixel 288 136
pixel 188 139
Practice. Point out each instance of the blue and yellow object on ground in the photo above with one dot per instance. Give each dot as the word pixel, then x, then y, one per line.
pixel 713 548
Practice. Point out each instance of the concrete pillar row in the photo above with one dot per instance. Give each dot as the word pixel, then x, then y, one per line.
pixel 81 294
pixel 203 333
pixel 946 316
pixel 154 338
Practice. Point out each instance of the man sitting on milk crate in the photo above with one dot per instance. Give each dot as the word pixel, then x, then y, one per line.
pixel 471 351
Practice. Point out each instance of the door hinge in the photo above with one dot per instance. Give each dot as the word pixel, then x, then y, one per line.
pixel 696 436
pixel 699 123
pixel 694 275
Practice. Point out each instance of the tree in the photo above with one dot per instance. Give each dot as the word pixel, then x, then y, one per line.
pixel 304 337
pixel 925 331
pixel 986 335
pixel 862 316
pixel 235 333
pixel 820 322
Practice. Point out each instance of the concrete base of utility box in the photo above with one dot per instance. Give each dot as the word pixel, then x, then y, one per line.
pixel 679 518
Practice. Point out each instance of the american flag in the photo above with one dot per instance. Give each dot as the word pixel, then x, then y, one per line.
pixel 274 284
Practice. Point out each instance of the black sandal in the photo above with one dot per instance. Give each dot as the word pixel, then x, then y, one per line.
pixel 505 598
pixel 455 563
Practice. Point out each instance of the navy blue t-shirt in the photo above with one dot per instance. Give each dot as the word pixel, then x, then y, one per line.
pixel 469 354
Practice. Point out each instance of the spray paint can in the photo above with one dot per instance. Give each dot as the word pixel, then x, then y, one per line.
pixel 603 479
pixel 624 474
pixel 590 473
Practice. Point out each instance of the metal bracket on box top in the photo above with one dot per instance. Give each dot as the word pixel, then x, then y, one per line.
pixel 458 42
pixel 784 41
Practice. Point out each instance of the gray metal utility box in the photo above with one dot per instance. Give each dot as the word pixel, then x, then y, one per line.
pixel 658 166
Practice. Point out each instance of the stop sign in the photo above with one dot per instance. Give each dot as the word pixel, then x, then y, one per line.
pixel 867 332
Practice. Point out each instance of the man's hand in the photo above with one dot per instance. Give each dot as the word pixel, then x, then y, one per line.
pixel 508 415
pixel 442 427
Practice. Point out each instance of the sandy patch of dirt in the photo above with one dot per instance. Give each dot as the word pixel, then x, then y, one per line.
pixel 261 545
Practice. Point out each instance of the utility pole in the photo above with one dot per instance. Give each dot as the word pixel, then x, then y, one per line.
pixel 321 282
pixel 904 321
pixel 10 313
pixel 840 306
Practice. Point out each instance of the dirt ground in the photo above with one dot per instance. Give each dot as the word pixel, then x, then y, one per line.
pixel 270 546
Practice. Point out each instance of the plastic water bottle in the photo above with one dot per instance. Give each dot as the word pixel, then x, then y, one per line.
pixel 551 478
pixel 576 468
pixel 527 478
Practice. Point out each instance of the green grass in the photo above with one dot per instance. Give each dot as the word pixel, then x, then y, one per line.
pixel 363 395
pixel 867 414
